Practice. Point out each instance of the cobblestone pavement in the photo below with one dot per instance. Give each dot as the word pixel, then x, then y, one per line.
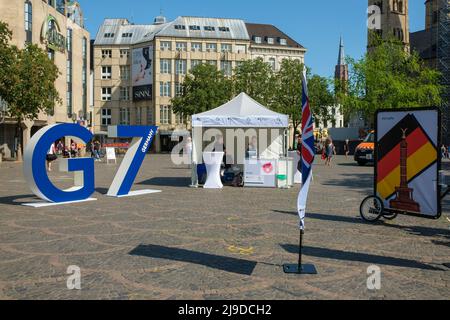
pixel 208 244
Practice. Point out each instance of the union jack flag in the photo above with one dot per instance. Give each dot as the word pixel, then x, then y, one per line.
pixel 307 152
pixel 307 132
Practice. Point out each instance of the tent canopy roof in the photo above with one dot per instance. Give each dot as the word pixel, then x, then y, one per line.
pixel 242 111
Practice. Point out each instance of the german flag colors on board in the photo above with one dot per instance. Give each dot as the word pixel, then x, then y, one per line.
pixel 422 154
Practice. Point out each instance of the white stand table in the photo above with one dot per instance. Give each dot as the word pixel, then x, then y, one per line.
pixel 213 160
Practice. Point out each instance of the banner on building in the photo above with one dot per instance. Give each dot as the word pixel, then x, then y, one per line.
pixel 407 161
pixel 142 73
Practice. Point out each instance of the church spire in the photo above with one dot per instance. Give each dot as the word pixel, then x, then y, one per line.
pixel 341 57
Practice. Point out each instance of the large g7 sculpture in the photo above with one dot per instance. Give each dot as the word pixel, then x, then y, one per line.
pixel 35 170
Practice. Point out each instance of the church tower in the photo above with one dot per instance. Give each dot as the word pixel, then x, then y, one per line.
pixel 394 20
pixel 341 70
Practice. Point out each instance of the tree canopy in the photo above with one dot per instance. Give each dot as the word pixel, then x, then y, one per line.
pixel 389 77
pixel 204 88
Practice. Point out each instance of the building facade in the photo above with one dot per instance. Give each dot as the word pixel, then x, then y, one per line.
pixel 57 27
pixel 394 21
pixel 272 45
pixel 138 69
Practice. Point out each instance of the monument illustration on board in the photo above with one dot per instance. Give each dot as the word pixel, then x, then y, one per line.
pixel 404 199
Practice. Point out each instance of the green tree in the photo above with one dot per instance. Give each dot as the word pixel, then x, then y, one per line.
pixel 204 88
pixel 256 78
pixel 321 99
pixel 389 77
pixel 288 91
pixel 29 87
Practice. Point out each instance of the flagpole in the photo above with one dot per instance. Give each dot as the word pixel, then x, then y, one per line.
pixel 307 161
pixel 300 250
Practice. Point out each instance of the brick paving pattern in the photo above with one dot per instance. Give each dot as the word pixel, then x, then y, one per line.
pixel 210 244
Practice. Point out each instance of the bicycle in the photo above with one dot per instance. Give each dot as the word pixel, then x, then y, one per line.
pixel 372 207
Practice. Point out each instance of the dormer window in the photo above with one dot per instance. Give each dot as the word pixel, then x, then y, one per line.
pixel 127 35
pixel 258 39
pixel 224 29
pixel 109 35
pixel 194 28
pixel 180 27
pixel 270 41
pixel 283 42
pixel 209 28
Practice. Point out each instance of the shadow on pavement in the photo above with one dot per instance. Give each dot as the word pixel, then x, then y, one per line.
pixel 18 200
pixel 358 181
pixel 358 257
pixel 326 217
pixel 234 265
pixel 413 230
pixel 167 182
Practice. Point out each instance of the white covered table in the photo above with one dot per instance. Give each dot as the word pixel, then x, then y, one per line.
pixel 297 174
pixel 213 160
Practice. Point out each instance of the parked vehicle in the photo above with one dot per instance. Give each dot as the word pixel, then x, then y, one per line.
pixel 364 152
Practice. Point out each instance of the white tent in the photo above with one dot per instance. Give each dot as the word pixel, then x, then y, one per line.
pixel 242 112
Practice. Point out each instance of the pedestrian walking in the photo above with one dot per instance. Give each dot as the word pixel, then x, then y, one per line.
pixel 330 151
pixel 51 156
pixel 347 148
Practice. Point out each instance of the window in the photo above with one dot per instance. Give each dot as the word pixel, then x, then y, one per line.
pixel 125 116
pixel 106 94
pixel 179 118
pixel 124 93
pixel 226 67
pixel 106 72
pixel 195 63
pixel 51 3
pixel 211 47
pixel 209 28
pixel 150 115
pixel 139 115
pixel 28 22
pixel 180 27
pixel 270 41
pixel 283 42
pixel 165 114
pixel 241 48
pixel 84 77
pixel 106 117
pixel 165 89
pixel 106 54
pixel 224 29
pixel 69 39
pixel 258 39
pixel 181 46
pixel 127 35
pixel 225 47
pixel 166 66
pixel 212 63
pixel 51 54
pixel 109 35
pixel 179 89
pixel 180 67
pixel 194 28
pixel 166 45
pixel 124 53
pixel 196 46
pixel 272 63
pixel 125 73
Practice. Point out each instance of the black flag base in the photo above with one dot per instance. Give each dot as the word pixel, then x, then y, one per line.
pixel 304 269
pixel 300 268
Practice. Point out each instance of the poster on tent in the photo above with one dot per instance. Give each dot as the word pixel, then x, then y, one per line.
pixel 407 161
pixel 142 73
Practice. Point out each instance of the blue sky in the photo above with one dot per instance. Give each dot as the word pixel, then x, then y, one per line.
pixel 316 24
